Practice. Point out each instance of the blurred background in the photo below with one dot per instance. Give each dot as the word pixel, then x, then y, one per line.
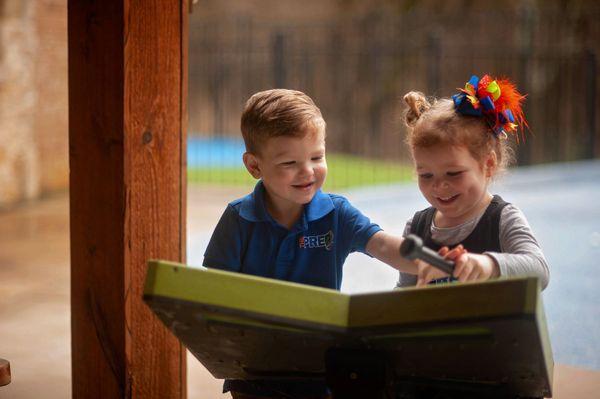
pixel 356 59
pixel 33 100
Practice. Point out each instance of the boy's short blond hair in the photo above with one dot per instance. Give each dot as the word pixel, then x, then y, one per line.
pixel 278 112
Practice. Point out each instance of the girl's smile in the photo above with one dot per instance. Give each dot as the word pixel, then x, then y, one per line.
pixel 448 200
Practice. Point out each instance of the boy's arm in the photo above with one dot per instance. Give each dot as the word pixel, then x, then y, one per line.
pixel 386 248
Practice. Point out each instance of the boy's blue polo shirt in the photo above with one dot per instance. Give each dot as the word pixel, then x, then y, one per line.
pixel 248 240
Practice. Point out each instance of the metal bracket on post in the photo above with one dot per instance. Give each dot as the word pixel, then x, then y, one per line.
pixel 4 372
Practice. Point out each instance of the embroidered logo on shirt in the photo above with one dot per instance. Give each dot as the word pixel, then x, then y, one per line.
pixel 320 241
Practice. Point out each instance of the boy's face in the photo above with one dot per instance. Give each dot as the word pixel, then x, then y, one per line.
pixel 292 169
pixel 453 182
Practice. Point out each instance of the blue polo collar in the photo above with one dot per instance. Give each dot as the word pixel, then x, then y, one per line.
pixel 253 207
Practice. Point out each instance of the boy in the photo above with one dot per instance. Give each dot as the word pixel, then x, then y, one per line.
pixel 287 228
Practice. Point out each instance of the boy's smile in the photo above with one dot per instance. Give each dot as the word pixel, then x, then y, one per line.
pixel 304 187
pixel 292 169
pixel 453 182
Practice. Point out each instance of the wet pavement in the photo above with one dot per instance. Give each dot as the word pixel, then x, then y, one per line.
pixel 560 202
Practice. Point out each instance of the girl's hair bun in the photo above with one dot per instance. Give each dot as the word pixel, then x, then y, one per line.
pixel 417 104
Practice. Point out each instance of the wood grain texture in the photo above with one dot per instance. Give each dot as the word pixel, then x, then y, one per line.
pixel 127 69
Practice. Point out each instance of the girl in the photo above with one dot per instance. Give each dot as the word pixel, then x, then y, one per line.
pixel 458 145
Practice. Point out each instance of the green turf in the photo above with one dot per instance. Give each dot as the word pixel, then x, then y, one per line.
pixel 344 171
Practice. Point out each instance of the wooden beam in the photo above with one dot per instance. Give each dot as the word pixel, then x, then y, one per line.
pixel 127 131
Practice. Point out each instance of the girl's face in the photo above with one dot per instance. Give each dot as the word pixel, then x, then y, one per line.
pixel 453 182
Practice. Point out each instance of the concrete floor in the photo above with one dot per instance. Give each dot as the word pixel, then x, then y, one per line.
pixel 34 302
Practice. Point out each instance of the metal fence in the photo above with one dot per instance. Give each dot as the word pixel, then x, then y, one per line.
pixel 357 69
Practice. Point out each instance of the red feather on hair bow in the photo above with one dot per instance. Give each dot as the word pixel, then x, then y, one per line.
pixel 510 99
pixel 497 99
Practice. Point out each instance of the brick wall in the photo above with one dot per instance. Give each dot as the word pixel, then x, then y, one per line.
pixel 33 99
pixel 51 82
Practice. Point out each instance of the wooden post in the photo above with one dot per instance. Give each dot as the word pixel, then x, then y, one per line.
pixel 127 131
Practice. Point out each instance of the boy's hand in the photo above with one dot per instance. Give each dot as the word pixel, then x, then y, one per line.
pixel 427 273
pixel 471 267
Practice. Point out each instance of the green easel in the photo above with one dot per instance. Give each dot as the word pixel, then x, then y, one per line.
pixel 472 340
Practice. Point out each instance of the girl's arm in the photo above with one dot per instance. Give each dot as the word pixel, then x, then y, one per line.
pixel 521 254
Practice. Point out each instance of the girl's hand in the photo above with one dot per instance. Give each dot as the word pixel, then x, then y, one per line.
pixel 471 267
pixel 427 273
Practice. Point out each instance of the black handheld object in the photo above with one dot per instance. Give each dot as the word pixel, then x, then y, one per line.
pixel 412 248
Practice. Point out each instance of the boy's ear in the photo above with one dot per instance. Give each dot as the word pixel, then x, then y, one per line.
pixel 251 163
pixel 491 163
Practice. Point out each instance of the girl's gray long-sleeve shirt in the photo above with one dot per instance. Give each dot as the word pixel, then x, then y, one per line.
pixel 521 254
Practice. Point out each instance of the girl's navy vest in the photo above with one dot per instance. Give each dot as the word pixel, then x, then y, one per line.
pixel 485 236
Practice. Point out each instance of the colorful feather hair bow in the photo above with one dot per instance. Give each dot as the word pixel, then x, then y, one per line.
pixel 497 100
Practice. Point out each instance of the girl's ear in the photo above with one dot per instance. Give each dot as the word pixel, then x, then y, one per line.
pixel 491 164
pixel 251 163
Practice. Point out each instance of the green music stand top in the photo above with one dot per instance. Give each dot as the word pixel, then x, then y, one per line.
pixel 247 327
